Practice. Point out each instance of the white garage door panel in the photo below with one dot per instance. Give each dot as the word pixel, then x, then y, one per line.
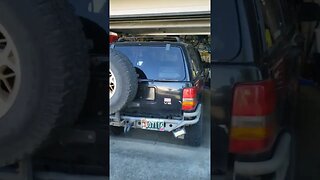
pixel 162 17
pixel 127 8
pixel 190 26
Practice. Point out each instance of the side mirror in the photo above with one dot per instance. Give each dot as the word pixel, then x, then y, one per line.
pixel 309 11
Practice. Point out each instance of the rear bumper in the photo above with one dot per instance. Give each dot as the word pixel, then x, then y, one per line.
pixel 277 164
pixel 170 124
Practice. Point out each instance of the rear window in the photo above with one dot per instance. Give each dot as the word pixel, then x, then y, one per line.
pixel 156 62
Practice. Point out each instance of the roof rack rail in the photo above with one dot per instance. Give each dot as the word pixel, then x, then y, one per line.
pixel 150 38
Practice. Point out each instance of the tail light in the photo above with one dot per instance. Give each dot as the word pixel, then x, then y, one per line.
pixel 189 98
pixel 113 37
pixel 253 126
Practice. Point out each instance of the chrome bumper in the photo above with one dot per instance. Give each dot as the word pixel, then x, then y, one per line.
pixel 278 164
pixel 170 124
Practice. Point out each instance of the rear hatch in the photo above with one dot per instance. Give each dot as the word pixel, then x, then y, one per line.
pixel 162 76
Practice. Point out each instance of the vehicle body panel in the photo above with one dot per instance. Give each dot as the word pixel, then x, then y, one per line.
pixel 244 56
pixel 167 99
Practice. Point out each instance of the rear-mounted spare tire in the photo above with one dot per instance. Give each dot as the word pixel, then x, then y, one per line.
pixel 44 70
pixel 123 81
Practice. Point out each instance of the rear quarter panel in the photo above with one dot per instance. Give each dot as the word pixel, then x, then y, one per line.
pixel 224 76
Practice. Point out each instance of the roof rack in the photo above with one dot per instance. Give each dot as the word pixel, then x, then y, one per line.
pixel 150 38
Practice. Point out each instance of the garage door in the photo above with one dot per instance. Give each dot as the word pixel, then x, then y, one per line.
pixel 180 17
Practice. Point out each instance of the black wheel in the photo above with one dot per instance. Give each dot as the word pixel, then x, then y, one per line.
pixel 194 132
pixel 116 130
pixel 294 114
pixel 43 73
pixel 123 81
pixel 290 174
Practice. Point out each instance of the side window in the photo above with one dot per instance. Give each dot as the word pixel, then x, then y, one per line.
pixel 195 64
pixel 273 22
pixel 199 59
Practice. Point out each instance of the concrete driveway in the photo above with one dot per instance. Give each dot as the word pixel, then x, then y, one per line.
pixel 142 154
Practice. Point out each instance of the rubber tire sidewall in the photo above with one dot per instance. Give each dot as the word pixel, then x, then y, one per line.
pixel 32 72
pixel 119 84
pixel 294 105
pixel 126 81
pixel 40 100
pixel 290 175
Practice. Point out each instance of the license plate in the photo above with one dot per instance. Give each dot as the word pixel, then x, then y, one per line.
pixel 157 125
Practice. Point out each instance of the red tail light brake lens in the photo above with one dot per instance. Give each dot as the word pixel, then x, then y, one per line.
pixel 189 98
pixel 113 37
pixel 190 92
pixel 253 125
pixel 254 99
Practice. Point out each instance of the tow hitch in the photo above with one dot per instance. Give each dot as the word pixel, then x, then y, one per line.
pixel 127 126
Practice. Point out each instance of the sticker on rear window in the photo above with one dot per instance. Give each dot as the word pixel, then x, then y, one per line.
pixel 139 63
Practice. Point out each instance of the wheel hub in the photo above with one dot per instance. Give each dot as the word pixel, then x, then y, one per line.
pixel 9 71
pixel 112 84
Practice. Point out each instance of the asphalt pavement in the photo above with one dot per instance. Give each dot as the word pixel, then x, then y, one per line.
pixel 144 155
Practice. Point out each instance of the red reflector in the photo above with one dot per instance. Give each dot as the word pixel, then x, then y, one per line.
pixel 254 99
pixel 248 146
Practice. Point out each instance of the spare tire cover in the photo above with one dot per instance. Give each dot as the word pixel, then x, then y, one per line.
pixel 123 81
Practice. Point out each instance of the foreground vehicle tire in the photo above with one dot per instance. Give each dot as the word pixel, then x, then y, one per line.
pixel 123 81
pixel 44 70
pixel 194 132
pixel 291 171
